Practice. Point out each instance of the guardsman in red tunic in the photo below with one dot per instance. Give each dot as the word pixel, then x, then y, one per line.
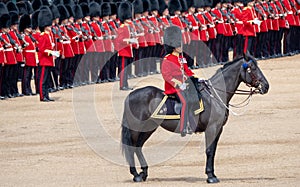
pixel 221 30
pixel 124 42
pixel 29 53
pixel 195 34
pixel 175 72
pixel 107 41
pixel 67 53
pixel 152 19
pixel 15 37
pixel 96 28
pixel 87 60
pixel 249 21
pixel 46 53
pixel 236 11
pixel 58 40
pixel 140 53
pixel 114 25
pixel 164 18
pixel 80 49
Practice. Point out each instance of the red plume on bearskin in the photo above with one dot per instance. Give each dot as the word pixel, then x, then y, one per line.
pixel 125 11
pixel 25 22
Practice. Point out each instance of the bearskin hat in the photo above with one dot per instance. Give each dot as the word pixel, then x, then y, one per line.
pixel 44 19
pixel 78 12
pixel 105 9
pixel 70 10
pixel 58 2
pixel 146 5
pixel 190 3
pixel 69 2
pixel 28 7
pixel 22 8
pixel 54 11
pixel 4 20
pixel 208 3
pixel 200 4
pixel 162 6
pixel 14 18
pixel 137 6
pixel 12 6
pixel 154 5
pixel 174 5
pixel 3 9
pixel 184 6
pixel 85 9
pixel 172 38
pixel 25 22
pixel 245 2
pixel 113 8
pixel 125 11
pixel 64 13
pixel 34 19
pixel 98 1
pixel 83 1
pixel 95 9
pixel 36 4
pixel 225 1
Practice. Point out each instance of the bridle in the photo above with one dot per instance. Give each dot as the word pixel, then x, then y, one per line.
pixel 254 81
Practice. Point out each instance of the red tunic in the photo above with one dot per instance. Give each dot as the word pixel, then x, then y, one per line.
pixel 89 43
pixel 67 48
pixel 2 55
pixel 262 16
pixel 229 31
pixel 249 29
pixel 153 20
pixel 96 32
pixel 18 55
pixel 45 44
pixel 275 22
pixel 164 24
pixel 203 31
pixel 150 38
pixel 9 52
pixel 30 53
pixel 124 49
pixel 80 44
pixel 195 34
pixel 282 21
pixel 141 39
pixel 108 45
pixel 237 12
pixel 172 74
pixel 211 28
pixel 290 14
pixel 220 26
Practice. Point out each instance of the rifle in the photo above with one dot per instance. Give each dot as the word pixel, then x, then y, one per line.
pixel 259 12
pixel 294 7
pixel 7 44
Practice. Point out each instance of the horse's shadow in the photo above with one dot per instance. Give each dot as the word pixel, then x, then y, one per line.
pixel 197 179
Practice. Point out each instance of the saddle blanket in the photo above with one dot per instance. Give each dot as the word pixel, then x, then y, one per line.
pixel 170 107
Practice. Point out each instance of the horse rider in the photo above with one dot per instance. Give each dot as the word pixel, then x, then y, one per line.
pixel 175 72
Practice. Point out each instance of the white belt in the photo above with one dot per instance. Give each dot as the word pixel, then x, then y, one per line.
pixel 290 12
pixel 1 48
pixel 182 31
pixel 218 21
pixel 195 27
pixel 9 49
pixel 66 42
pixel 30 51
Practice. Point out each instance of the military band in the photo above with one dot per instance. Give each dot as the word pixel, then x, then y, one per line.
pixel 62 44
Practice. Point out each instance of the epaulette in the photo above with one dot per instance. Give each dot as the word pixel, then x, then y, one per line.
pixel 122 25
pixel 167 56
pixel 245 8
pixel 42 33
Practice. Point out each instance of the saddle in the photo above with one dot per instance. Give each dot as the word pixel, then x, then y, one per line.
pixel 170 108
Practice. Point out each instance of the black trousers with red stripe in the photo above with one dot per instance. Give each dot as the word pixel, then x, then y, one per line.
pixel 44 81
pixel 124 63
pixel 248 43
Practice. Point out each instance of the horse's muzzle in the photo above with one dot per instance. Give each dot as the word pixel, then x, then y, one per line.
pixel 263 87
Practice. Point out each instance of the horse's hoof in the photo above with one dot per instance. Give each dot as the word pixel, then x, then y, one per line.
pixel 137 178
pixel 144 176
pixel 212 180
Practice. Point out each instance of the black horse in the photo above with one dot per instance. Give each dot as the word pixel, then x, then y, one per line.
pixel 138 126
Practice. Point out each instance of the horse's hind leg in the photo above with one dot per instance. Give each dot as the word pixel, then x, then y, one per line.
pixel 143 162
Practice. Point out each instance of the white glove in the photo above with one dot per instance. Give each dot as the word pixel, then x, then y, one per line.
pixel 55 53
pixel 256 21
pixel 183 86
pixel 133 40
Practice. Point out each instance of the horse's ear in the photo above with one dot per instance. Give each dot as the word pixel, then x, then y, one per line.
pixel 246 56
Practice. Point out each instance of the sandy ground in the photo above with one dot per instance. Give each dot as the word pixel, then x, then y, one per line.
pixel 44 144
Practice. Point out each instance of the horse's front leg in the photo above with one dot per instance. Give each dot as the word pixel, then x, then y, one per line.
pixel 212 135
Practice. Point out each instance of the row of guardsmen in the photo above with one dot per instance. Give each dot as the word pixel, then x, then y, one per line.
pixel 66 43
